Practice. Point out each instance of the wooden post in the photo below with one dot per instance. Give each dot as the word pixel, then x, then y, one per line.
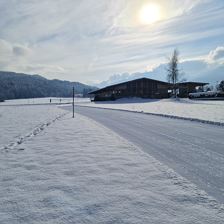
pixel 73 102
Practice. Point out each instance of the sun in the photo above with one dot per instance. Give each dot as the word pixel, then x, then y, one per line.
pixel 150 13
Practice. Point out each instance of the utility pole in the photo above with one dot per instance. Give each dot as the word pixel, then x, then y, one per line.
pixel 73 102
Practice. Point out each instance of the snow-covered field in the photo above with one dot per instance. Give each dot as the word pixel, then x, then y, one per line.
pixel 77 171
pixel 17 122
pixel 46 100
pixel 204 110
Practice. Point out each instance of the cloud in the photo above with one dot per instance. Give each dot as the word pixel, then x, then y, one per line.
pixel 193 70
pixel 217 54
pixel 129 15
pixel 51 70
pixel 5 48
pixel 91 40
pixel 13 56
pixel 19 50
pixel 8 49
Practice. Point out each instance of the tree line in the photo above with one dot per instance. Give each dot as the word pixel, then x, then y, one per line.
pixel 18 86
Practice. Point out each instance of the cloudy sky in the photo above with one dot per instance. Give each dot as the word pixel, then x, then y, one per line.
pixel 92 41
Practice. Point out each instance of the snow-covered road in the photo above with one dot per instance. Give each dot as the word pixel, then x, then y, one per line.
pixel 194 150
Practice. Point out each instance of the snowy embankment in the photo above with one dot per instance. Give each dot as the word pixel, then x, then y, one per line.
pixel 77 171
pixel 203 111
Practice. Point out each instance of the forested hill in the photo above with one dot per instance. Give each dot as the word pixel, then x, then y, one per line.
pixel 18 85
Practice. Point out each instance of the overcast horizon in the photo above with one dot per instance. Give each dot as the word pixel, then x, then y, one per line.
pixel 95 41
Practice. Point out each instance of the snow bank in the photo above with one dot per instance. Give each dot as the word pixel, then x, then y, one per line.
pixel 203 111
pixel 77 171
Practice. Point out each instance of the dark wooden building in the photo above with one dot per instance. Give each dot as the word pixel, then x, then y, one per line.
pixel 144 87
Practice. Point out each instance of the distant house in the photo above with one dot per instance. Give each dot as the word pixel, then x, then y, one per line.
pixel 144 88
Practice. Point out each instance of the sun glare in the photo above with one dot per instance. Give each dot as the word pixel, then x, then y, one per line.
pixel 150 13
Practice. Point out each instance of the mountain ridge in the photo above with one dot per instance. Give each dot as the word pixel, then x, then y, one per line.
pixel 20 85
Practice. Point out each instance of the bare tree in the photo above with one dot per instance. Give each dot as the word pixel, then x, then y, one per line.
pixel 173 71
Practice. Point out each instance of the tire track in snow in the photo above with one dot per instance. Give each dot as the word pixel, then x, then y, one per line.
pixel 12 145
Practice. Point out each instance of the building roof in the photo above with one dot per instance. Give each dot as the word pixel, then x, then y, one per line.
pixel 166 83
pixel 193 83
pixel 114 85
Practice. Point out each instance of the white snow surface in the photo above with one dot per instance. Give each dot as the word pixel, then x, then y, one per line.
pixel 203 110
pixel 19 122
pixel 45 100
pixel 77 171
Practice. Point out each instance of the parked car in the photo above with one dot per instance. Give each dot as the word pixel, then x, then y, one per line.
pixel 216 95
